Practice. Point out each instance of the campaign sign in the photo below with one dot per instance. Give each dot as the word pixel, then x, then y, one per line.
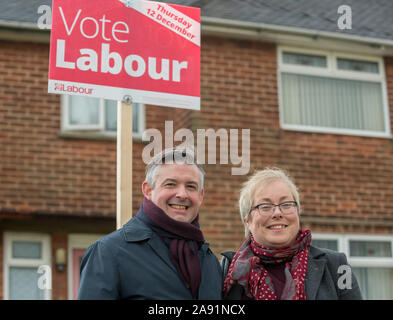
pixel 112 48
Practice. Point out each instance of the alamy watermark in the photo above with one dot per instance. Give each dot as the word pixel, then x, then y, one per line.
pixel 229 145
pixel 345 20
pixel 44 282
pixel 345 280
pixel 45 20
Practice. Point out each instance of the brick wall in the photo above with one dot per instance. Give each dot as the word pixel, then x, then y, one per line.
pixel 59 278
pixel 1 265
pixel 39 171
pixel 344 178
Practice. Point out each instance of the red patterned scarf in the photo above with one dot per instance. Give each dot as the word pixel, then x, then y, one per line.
pixel 247 269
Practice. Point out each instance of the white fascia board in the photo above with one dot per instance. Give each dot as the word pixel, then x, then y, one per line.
pixel 293 35
pixel 18 24
pixel 237 29
pixel 259 27
pixel 23 31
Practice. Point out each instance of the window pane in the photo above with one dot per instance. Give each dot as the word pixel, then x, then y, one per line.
pixel 304 59
pixel 26 250
pixel 357 65
pixel 83 110
pixel 23 284
pixel 135 117
pixel 375 283
pixel 111 116
pixel 332 103
pixel 370 248
pixel 328 244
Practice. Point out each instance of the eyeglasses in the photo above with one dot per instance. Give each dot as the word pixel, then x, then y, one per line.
pixel 267 209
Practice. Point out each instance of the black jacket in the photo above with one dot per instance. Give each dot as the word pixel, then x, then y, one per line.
pixel 134 263
pixel 322 277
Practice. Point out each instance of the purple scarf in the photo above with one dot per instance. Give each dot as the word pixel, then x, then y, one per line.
pixel 184 241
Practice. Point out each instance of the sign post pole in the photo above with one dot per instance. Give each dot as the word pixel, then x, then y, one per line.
pixel 124 162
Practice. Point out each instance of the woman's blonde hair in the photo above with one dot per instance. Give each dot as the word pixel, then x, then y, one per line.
pixel 258 180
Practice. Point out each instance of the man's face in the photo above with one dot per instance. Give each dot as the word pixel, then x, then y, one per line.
pixel 177 191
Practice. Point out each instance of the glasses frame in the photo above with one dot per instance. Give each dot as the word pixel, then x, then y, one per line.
pixel 274 208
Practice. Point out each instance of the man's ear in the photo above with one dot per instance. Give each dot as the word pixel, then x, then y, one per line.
pixel 201 195
pixel 146 190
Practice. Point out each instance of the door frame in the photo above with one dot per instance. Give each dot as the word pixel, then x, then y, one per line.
pixel 77 241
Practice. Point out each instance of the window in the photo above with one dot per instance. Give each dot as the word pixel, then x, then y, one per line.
pixel 333 93
pixel 360 248
pixel 371 258
pixel 327 244
pixel 23 255
pixel 86 116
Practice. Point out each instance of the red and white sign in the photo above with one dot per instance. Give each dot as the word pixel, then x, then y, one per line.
pixel 112 48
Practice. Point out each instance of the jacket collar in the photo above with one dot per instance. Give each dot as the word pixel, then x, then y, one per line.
pixel 135 230
pixel 315 271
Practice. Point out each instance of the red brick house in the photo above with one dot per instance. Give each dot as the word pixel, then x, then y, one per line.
pixel 318 101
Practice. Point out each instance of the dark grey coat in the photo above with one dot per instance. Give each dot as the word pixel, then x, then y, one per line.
pixel 322 277
pixel 134 263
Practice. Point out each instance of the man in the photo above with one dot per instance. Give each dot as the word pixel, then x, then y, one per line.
pixel 160 253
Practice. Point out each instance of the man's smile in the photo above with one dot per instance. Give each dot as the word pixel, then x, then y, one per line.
pixel 178 206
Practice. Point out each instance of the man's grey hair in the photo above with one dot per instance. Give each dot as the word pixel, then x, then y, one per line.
pixel 176 155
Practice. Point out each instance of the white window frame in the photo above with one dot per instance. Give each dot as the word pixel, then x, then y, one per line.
pixel 331 236
pixel 343 246
pixel 359 262
pixel 96 130
pixel 331 71
pixel 77 241
pixel 9 261
pixel 65 102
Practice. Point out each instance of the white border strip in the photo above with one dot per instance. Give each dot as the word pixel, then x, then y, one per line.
pixel 114 93
pixel 168 17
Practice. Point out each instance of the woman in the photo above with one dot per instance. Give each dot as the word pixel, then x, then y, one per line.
pixel 277 260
